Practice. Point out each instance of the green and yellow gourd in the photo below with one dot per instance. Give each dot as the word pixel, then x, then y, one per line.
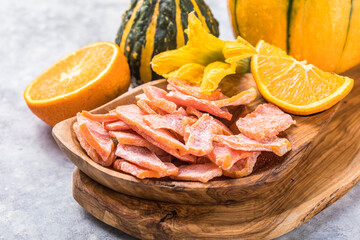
pixel 326 33
pixel 152 26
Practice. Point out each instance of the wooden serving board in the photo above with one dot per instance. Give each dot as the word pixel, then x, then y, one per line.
pixel 268 171
pixel 329 169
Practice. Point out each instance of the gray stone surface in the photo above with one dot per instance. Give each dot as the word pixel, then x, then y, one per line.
pixel 35 177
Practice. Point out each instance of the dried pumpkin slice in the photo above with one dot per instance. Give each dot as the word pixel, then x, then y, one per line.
pixel 157 96
pixel 201 135
pixel 186 122
pixel 226 157
pixel 224 129
pixel 140 156
pixel 279 146
pixel 144 105
pixel 116 126
pixel 148 106
pixel 83 143
pixel 108 117
pixel 241 98
pixel 133 116
pixel 200 104
pixel 243 167
pixel 132 138
pixel 193 90
pixel 265 122
pixel 170 121
pixel 198 172
pixel 97 137
pixel 167 147
pixel 143 173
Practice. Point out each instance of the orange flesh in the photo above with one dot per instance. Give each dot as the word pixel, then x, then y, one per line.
pixel 295 86
pixel 72 74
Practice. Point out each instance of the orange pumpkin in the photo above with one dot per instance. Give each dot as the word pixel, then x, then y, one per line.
pixel 326 33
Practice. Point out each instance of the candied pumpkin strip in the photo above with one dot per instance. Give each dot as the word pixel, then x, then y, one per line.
pixel 241 98
pixel 143 173
pixel 132 138
pixel 265 122
pixel 226 157
pixel 157 96
pixel 116 126
pixel 243 167
pixel 140 156
pixel 83 143
pixel 193 90
pixel 144 105
pixel 198 172
pixel 97 137
pixel 224 129
pixel 170 121
pixel 105 118
pixel 279 146
pixel 200 136
pixel 200 104
pixel 133 116
pixel 167 148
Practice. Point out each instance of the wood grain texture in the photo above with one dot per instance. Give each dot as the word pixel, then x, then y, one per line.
pixel 268 171
pixel 326 172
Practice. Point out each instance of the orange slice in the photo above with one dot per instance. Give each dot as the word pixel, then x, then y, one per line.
pixel 82 80
pixel 294 86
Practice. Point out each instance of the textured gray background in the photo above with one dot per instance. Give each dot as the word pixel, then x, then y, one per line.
pixel 35 177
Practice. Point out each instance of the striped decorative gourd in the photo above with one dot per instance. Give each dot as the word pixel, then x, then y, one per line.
pixel 326 33
pixel 152 26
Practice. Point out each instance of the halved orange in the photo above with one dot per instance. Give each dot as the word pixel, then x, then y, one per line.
pixel 82 80
pixel 294 86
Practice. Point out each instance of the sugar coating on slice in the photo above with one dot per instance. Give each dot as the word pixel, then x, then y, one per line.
pixel 107 117
pixel 265 123
pixel 133 116
pixel 144 105
pixel 170 121
pixel 132 138
pixel 279 146
pixel 97 137
pixel 243 167
pixel 242 98
pixel 158 98
pixel 199 104
pixel 193 90
pixel 88 149
pixel 140 156
pixel 224 129
pixel 200 135
pixel 142 173
pixel 116 126
pixel 226 157
pixel 198 172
